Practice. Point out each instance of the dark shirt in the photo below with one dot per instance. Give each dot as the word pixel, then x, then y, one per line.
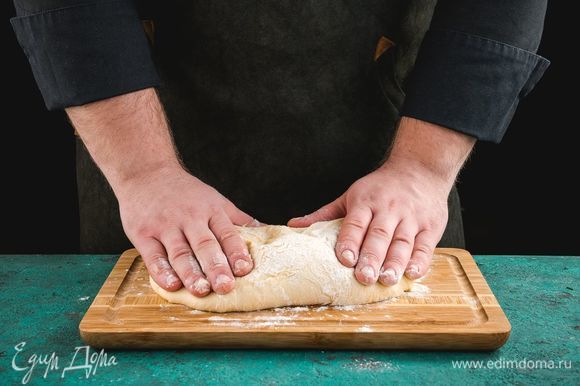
pixel 475 63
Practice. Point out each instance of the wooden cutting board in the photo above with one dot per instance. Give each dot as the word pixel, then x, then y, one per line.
pixel 452 308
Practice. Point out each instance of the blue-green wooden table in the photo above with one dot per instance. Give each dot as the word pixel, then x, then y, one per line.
pixel 43 298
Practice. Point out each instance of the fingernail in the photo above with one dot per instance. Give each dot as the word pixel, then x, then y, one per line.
pixel 412 272
pixel 389 276
pixel 171 280
pixel 348 255
pixel 201 286
pixel 241 266
pixel 254 223
pixel 222 281
pixel 368 273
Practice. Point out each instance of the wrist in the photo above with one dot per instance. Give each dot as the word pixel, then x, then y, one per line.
pixel 429 149
pixel 126 181
pixel 417 169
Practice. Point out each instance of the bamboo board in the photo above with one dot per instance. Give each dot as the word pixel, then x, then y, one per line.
pixel 452 308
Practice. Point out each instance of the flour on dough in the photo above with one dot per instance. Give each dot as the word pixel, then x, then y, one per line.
pixel 292 267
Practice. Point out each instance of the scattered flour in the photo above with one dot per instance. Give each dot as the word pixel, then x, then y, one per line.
pixel 220 319
pixel 418 290
pixel 259 321
pixel 346 308
pixel 363 364
pixel 276 317
pixel 291 309
pixel 472 301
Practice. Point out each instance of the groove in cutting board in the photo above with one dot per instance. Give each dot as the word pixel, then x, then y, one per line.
pixel 452 308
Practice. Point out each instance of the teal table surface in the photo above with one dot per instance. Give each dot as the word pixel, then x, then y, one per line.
pixel 43 298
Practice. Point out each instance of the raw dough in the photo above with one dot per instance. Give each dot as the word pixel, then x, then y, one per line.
pixel 292 267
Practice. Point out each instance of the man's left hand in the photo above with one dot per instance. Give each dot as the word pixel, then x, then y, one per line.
pixel 395 216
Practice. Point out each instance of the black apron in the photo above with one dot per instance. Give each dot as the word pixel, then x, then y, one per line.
pixel 279 105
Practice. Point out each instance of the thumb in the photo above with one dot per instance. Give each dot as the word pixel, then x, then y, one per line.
pixel 328 212
pixel 239 217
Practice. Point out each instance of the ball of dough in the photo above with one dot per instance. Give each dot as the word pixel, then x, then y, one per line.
pixel 292 267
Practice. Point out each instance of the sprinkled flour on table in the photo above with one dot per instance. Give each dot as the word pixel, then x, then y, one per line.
pixel 418 290
pixel 363 364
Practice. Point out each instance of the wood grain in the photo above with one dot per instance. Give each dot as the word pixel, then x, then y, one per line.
pixel 452 308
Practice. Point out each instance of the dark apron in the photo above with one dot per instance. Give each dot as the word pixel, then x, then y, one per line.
pixel 279 105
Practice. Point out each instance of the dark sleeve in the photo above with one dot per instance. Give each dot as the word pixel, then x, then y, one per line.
pixel 81 51
pixel 476 63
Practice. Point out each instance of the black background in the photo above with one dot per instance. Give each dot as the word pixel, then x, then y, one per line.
pixel 518 197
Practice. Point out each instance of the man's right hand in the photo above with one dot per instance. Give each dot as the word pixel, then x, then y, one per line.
pixel 184 230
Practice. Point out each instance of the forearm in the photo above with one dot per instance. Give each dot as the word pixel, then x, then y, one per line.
pixel 127 136
pixel 431 147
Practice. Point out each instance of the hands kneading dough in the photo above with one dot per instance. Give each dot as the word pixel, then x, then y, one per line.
pixel 292 267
